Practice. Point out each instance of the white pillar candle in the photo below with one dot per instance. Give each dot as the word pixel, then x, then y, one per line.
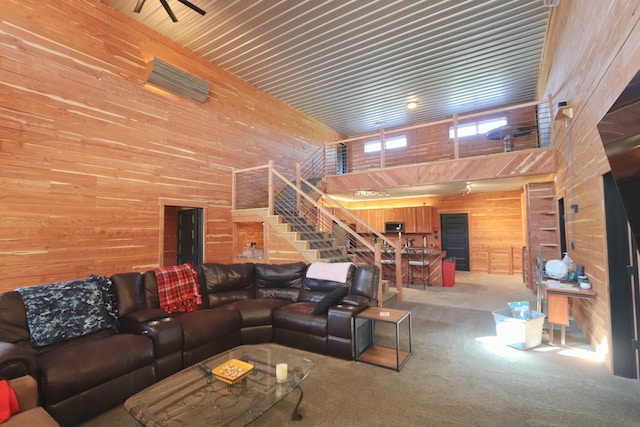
pixel 281 372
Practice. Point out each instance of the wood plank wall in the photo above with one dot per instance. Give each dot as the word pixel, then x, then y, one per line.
pixel 589 70
pixel 88 153
pixel 432 143
pixel 495 226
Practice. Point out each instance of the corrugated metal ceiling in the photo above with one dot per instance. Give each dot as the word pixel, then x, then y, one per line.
pixel 353 65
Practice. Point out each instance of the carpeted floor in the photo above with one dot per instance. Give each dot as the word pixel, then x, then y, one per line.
pixel 458 374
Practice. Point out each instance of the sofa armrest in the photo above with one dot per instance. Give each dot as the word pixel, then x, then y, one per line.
pixel 165 333
pixel 365 283
pixel 356 301
pixel 16 361
pixel 141 317
pixel 26 390
pixel 339 320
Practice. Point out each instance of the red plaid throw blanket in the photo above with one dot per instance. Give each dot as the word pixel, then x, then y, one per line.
pixel 178 288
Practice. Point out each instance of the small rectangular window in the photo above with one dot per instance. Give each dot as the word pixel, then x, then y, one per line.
pixel 478 128
pixel 389 144
pixel 371 146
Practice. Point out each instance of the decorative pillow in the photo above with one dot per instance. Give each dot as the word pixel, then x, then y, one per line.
pixel 66 310
pixel 332 298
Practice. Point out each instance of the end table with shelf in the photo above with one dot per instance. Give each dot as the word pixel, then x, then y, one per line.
pixel 392 358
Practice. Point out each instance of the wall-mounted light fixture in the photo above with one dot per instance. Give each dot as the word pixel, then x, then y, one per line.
pixel 165 76
pixel 563 111
pixel 370 193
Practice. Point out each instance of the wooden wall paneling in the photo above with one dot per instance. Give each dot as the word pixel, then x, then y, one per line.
pixel 495 225
pixel 568 74
pixel 87 151
pixel 377 219
pixel 432 143
pixel 534 163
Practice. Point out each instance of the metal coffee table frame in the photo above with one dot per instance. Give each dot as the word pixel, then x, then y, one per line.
pixel 195 397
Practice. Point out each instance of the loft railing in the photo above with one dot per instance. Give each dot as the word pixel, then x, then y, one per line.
pixel 301 203
pixel 527 126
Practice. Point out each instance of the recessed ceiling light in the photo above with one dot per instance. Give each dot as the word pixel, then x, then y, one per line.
pixel 411 105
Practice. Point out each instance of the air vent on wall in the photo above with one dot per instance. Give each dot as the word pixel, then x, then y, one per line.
pixel 176 81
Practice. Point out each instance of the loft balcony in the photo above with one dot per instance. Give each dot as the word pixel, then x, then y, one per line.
pixel 495 150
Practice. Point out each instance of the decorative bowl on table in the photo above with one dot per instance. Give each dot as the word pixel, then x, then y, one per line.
pixel 232 371
pixel 556 269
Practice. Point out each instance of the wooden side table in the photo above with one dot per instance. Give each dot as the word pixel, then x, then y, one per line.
pixel 558 306
pixel 392 358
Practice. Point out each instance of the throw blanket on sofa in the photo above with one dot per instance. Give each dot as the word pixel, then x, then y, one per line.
pixel 61 311
pixel 178 288
pixel 336 271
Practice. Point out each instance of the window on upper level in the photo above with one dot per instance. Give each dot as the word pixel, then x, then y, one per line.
pixel 389 144
pixel 478 128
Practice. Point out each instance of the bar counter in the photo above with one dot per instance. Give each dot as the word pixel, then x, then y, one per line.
pixel 432 255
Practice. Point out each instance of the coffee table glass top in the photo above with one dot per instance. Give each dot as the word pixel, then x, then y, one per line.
pixel 195 397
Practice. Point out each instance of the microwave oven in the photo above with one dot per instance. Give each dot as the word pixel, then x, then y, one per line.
pixel 394 227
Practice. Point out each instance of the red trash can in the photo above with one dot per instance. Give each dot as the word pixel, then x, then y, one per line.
pixel 449 272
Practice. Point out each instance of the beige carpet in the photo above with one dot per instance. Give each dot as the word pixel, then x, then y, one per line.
pixel 459 375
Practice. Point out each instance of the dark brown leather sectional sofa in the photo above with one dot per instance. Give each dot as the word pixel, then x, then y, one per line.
pixel 242 304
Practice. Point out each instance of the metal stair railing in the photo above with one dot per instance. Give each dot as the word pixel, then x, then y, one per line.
pixel 315 216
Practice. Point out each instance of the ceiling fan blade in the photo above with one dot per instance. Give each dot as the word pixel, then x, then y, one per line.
pixel 169 11
pixel 139 5
pixel 192 6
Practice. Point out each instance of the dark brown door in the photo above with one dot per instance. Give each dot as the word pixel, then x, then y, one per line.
pixel 455 238
pixel 190 236
pixel 623 284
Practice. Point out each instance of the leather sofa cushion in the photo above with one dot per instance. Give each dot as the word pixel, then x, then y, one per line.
pixel 129 290
pixel 144 316
pixel 90 361
pixel 151 289
pixel 224 283
pixel 288 294
pixel 280 275
pixel 205 326
pixel 365 282
pixel 330 299
pixel 313 290
pixel 299 317
pixel 256 312
pixel 13 318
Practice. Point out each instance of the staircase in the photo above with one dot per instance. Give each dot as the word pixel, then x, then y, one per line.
pixel 314 224
pixel 314 244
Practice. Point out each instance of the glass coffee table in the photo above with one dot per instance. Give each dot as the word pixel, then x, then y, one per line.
pixel 196 397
